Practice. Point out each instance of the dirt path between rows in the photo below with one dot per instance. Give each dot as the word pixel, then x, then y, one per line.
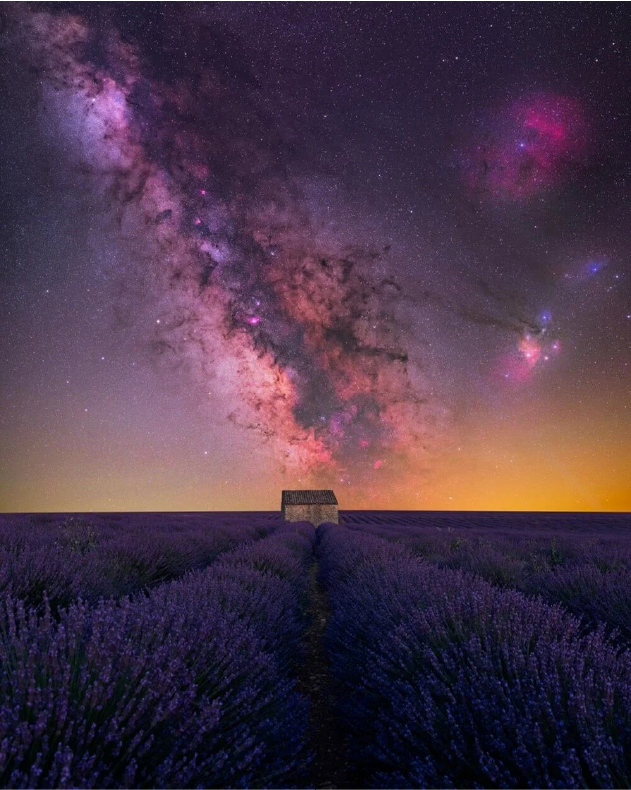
pixel 331 767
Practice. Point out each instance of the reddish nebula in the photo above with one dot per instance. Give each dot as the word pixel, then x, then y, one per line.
pixel 529 354
pixel 532 145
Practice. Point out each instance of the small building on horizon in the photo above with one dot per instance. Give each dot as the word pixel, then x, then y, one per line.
pixel 314 506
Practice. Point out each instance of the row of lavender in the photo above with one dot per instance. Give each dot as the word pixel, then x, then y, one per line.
pixel 445 680
pixel 588 573
pixel 189 685
pixel 111 555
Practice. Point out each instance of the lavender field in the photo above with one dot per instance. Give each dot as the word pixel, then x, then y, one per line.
pixel 391 650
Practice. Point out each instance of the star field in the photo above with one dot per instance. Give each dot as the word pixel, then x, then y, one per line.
pixel 382 248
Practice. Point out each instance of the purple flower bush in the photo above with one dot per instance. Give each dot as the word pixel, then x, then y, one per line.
pixel 188 685
pixel 445 680
pixel 599 596
pixel 588 574
pixel 163 650
pixel 93 557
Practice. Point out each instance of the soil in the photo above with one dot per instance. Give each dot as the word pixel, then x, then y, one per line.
pixel 327 739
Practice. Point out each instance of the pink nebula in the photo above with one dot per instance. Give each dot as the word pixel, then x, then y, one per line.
pixel 518 365
pixel 530 350
pixel 530 146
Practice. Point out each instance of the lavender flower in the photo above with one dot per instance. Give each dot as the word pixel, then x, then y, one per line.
pixel 447 681
pixel 191 685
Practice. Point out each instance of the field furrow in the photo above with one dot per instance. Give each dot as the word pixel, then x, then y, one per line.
pixel 448 681
pixel 589 574
pixel 190 685
pixel 90 557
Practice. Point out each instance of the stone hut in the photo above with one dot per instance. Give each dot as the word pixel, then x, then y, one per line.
pixel 313 506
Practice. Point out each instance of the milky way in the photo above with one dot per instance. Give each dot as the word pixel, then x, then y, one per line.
pixel 380 248
pixel 301 326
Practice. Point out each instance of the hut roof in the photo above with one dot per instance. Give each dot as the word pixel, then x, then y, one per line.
pixel 308 498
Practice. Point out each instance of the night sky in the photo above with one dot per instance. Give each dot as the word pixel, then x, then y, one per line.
pixel 379 247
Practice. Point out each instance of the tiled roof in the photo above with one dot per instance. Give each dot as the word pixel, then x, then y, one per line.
pixel 308 498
